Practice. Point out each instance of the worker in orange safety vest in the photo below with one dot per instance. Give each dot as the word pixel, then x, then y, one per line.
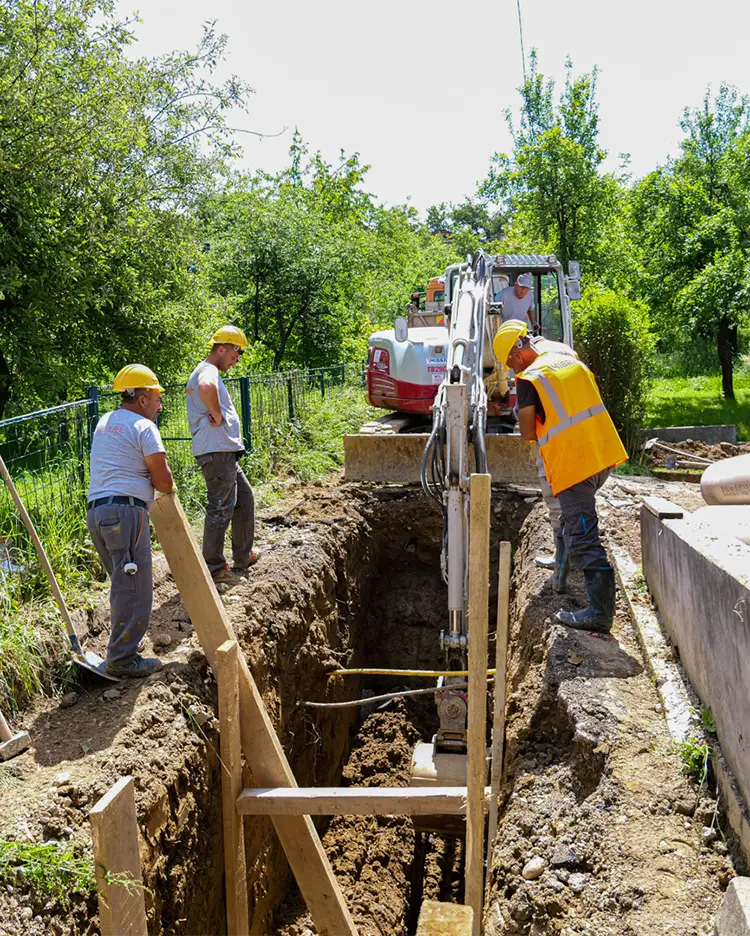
pixel 561 411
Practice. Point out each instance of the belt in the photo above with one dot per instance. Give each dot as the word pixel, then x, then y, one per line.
pixel 117 499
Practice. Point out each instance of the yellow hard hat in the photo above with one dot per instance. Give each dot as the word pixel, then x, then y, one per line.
pixel 229 334
pixel 134 376
pixel 507 336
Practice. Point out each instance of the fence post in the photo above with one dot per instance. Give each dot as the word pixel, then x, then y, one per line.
pixel 92 393
pixel 79 448
pixel 247 418
pixel 343 374
pixel 290 398
pixel 322 382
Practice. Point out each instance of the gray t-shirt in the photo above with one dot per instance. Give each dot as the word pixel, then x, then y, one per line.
pixel 122 440
pixel 513 307
pixel 206 437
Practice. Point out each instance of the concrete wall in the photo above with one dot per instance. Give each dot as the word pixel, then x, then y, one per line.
pixel 709 434
pixel 701 585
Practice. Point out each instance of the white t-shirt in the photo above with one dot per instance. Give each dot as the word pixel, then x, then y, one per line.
pixel 513 307
pixel 206 437
pixel 122 440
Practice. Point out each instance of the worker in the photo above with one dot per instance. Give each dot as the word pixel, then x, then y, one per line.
pixel 217 446
pixel 518 301
pixel 560 409
pixel 128 463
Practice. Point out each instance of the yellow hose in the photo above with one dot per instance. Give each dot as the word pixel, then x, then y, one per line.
pixel 428 674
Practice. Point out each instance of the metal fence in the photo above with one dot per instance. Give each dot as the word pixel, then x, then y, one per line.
pixel 47 452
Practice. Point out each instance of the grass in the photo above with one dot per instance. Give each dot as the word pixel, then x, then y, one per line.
pixel 54 870
pixel 698 401
pixel 694 755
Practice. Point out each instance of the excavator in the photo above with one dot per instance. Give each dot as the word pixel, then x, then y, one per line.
pixel 460 441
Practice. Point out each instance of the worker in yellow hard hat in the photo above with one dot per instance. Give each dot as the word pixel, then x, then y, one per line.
pixel 217 446
pixel 128 463
pixel 561 411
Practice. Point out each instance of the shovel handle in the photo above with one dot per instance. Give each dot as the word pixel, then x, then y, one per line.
pixel 42 557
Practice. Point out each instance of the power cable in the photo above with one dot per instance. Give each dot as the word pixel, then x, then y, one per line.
pixel 520 33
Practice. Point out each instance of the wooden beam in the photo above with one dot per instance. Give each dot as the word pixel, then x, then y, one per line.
pixel 662 508
pixel 476 769
pixel 261 746
pixel 355 801
pixel 445 919
pixel 235 870
pixel 117 860
pixel 498 711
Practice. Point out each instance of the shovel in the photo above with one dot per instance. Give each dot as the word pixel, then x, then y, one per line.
pixel 87 660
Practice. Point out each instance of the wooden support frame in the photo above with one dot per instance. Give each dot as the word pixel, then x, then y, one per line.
pixel 235 869
pixel 355 801
pixel 498 710
pixel 479 584
pixel 261 746
pixel 117 861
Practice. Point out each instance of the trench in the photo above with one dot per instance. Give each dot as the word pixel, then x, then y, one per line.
pixel 356 582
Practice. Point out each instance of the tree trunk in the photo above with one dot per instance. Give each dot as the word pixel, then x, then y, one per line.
pixel 5 383
pixel 727 340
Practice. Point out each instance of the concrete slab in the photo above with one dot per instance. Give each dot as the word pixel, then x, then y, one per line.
pixel 701 585
pixel 444 919
pixel 397 459
pixel 733 918
pixel 710 434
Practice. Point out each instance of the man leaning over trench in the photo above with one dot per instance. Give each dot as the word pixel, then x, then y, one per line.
pixel 560 409
pixel 217 446
pixel 128 463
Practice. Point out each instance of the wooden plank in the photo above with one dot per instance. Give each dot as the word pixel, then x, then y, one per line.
pixel 235 869
pixel 261 747
pixel 355 801
pixel 479 584
pixel 445 919
pixel 498 711
pixel 662 508
pixel 117 860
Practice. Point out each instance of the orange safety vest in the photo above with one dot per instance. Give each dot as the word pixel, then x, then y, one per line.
pixel 577 438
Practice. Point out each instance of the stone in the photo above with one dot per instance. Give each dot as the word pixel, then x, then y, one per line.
pixel 534 868
pixel 564 855
pixel 709 835
pixel 27 913
pixel 733 918
pixel 111 694
pixel 70 698
pixel 578 882
pixel 664 847
pixel 62 777
pixel 161 640
pixel 186 627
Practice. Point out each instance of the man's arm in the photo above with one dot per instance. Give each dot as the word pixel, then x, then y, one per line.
pixel 527 423
pixel 208 387
pixel 161 473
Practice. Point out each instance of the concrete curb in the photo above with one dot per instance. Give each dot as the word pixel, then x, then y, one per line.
pixel 679 698
pixel 733 918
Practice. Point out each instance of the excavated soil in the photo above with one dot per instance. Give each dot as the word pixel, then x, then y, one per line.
pixel 350 576
pixel 657 457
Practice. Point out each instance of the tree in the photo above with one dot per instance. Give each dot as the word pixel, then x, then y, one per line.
pixel 692 221
pixel 101 161
pixel 468 225
pixel 554 186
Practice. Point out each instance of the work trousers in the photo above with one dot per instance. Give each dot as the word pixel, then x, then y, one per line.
pixel 580 523
pixel 230 500
pixel 121 536
pixel 553 504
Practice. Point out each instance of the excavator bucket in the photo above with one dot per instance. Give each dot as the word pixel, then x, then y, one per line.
pixel 396 458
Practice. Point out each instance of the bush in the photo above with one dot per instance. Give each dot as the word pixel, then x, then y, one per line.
pixel 612 335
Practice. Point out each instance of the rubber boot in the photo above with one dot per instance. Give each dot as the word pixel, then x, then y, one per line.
pixel 560 576
pixel 600 587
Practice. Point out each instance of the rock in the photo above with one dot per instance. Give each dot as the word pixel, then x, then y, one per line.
pixel 70 698
pixel 111 694
pixel 709 835
pixel 63 777
pixel 27 913
pixel 664 847
pixel 554 883
pixel 578 882
pixel 200 715
pixel 161 640
pixel 186 627
pixel 564 855
pixel 720 848
pixel 534 868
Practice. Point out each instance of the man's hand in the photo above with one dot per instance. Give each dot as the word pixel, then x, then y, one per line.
pixel 536 328
pixel 215 419
pixel 209 393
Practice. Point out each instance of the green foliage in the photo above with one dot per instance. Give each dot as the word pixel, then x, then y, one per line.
pixel 694 755
pixel 707 720
pixel 54 870
pixel 613 337
pixel 690 220
pixel 101 159
pixel 553 185
pixel 698 401
pixel 467 226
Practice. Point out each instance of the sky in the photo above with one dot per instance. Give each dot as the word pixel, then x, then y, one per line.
pixel 419 88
